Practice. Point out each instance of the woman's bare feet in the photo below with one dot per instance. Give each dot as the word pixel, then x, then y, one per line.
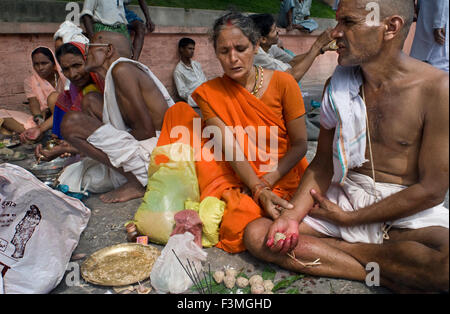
pixel 126 192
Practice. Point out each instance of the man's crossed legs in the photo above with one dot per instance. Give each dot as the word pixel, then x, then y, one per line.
pixel 410 261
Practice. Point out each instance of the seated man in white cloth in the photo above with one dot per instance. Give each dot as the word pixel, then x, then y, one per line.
pixel 119 146
pixel 188 74
pixel 385 176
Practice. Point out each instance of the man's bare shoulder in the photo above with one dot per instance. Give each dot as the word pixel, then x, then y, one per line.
pixel 435 86
pixel 128 73
pixel 124 69
pixel 429 84
pixel 433 80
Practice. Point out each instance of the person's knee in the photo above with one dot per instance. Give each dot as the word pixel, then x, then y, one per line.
pixel 92 105
pixel 255 234
pixel 436 277
pixel 442 274
pixel 70 123
pixel 89 101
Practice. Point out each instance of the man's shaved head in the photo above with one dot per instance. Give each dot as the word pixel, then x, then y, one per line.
pixel 368 29
pixel 403 8
pixel 120 43
pixel 388 8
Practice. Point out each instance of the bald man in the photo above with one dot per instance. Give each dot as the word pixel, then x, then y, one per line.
pixel 118 138
pixel 372 197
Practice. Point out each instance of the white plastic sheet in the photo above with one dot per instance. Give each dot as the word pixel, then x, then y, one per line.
pixel 39 230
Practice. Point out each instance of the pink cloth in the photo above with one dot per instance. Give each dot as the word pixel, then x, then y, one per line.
pixel 189 221
pixel 39 88
pixel 21 117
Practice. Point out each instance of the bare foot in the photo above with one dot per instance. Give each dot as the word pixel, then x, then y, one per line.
pixel 126 192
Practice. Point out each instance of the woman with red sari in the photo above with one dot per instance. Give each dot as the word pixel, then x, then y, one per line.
pixel 85 93
pixel 268 106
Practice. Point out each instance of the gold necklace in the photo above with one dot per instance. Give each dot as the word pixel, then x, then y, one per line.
pixel 256 88
pixel 256 79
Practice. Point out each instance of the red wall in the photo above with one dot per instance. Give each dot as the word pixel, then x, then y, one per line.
pixel 159 54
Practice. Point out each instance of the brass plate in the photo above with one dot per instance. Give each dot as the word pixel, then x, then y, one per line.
pixel 120 265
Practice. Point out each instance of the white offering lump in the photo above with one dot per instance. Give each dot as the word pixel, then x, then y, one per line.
pixel 257 289
pixel 279 236
pixel 218 276
pixel 229 281
pixel 230 272
pixel 242 282
pixel 256 279
pixel 268 285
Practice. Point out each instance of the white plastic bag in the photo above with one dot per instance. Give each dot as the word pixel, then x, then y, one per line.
pixel 1 285
pixel 39 230
pixel 167 274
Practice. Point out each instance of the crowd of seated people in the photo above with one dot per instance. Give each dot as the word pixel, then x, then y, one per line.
pixel 374 191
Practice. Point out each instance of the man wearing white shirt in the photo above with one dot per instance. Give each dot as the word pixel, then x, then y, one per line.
pixel 104 15
pixel 188 74
pixel 431 40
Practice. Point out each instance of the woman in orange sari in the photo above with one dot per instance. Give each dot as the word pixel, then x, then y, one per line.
pixel 262 163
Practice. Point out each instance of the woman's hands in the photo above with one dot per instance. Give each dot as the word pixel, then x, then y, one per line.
pixel 272 204
pixel 31 135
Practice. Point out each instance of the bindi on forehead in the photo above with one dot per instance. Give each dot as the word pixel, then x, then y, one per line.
pixel 233 34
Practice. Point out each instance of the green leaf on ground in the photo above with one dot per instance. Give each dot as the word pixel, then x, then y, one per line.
pixel 286 282
pixel 242 274
pixel 268 273
pixel 293 291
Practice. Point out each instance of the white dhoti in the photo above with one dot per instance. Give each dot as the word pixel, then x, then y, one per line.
pixel 123 151
pixel 358 192
pixel 113 138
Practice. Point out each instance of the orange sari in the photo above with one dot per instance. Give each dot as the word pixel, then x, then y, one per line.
pixel 235 106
